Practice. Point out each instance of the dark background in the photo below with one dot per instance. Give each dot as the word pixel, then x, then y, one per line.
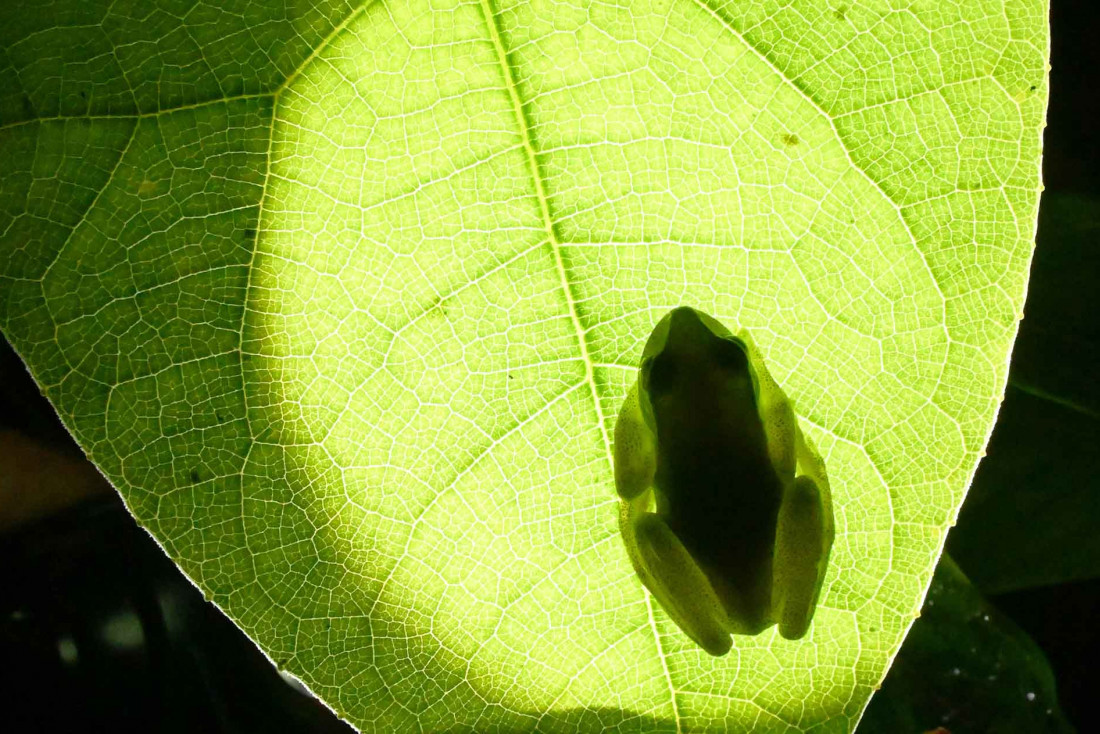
pixel 90 649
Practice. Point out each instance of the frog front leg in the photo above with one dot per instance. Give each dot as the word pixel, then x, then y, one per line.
pixel 635 449
pixel 804 537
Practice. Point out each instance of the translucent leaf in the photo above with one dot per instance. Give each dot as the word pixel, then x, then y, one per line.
pixel 344 301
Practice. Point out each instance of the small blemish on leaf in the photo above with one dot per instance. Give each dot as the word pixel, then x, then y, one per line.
pixel 437 308
pixel 147 188
pixel 249 234
pixel 840 12
pixel 790 139
pixel 195 476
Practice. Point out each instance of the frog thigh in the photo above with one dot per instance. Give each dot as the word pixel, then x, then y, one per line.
pixel 680 586
pixel 803 539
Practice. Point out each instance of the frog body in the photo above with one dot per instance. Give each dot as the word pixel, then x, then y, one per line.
pixel 726 512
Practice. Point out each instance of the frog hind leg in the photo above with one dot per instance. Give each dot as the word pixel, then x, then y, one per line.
pixel 803 538
pixel 681 587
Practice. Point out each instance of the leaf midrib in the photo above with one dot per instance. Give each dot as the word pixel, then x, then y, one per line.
pixel 559 264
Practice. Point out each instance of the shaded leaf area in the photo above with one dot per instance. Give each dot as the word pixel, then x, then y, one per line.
pixel 344 301
pixel 102 651
pixel 967 668
pixel 1031 515
pixel 114 59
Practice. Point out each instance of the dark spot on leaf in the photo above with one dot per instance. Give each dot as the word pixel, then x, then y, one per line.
pixel 1032 88
pixel 250 234
pixel 790 139
pixel 437 308
pixel 840 12
pixel 195 476
pixel 28 108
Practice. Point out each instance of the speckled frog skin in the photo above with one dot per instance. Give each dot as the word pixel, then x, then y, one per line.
pixel 726 513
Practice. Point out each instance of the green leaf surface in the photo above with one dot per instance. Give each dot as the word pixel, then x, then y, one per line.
pixel 344 301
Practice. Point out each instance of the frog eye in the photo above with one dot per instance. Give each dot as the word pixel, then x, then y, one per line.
pixel 730 353
pixel 662 374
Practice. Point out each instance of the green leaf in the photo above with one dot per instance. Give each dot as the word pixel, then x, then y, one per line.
pixel 344 301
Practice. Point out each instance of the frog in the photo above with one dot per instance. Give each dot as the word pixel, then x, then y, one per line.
pixel 725 509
